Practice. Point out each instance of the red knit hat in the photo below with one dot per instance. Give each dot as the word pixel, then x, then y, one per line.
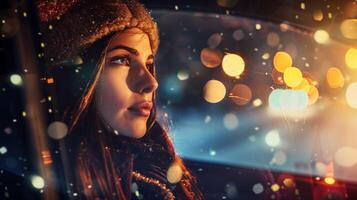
pixel 69 26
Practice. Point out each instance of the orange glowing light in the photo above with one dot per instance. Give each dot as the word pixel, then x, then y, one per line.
pixel 288 182
pixel 329 180
pixel 335 78
pixel 282 60
pixel 318 15
pixel 46 157
pixel 174 173
pixel 313 94
pixel 211 58
pixel 50 81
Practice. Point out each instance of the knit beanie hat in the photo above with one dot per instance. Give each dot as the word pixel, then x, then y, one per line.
pixel 69 26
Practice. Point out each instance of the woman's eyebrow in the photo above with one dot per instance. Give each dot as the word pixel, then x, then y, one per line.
pixel 129 49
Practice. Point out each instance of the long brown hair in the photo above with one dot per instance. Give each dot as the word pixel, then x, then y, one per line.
pixel 96 168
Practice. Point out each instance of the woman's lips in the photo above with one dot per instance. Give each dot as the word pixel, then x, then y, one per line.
pixel 141 108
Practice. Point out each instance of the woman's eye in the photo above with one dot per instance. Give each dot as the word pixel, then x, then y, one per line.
pixel 120 61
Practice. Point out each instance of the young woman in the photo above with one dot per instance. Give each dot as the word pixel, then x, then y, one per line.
pixel 116 147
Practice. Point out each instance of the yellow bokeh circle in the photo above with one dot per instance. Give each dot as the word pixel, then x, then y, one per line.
pixel 292 77
pixel 174 173
pixel 351 58
pixel 321 37
pixel 233 65
pixel 304 85
pixel 214 91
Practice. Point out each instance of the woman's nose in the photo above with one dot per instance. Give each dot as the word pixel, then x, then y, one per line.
pixel 147 83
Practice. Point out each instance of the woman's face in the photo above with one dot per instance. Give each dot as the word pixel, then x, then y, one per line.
pixel 126 86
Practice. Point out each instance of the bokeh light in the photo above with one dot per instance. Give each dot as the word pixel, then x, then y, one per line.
pixel 265 56
pixel 258 188
pixel 272 138
pixel 282 60
pixel 304 86
pixel 302 6
pixel 329 180
pixel 346 157
pixel 230 121
pixel 335 77
pixel 351 95
pixel 233 65
pixel 258 26
pixel 50 80
pixel 238 35
pixel 211 58
pixel 257 102
pixel 16 79
pixel 313 94
pixel 351 58
pixel 37 182
pixel 275 187
pixel 183 75
pixel 46 157
pixel 214 91
pixel 78 60
pixel 57 130
pixel 289 182
pixel 349 28
pixel 214 40
pixel 3 150
pixel 318 15
pixel 212 152
pixel 274 99
pixel 321 37
pixel 292 77
pixel 174 173
pixel 241 94
pixel 288 100
pixel 273 39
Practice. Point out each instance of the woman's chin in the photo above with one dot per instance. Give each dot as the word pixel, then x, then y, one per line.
pixel 138 135
pixel 137 132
